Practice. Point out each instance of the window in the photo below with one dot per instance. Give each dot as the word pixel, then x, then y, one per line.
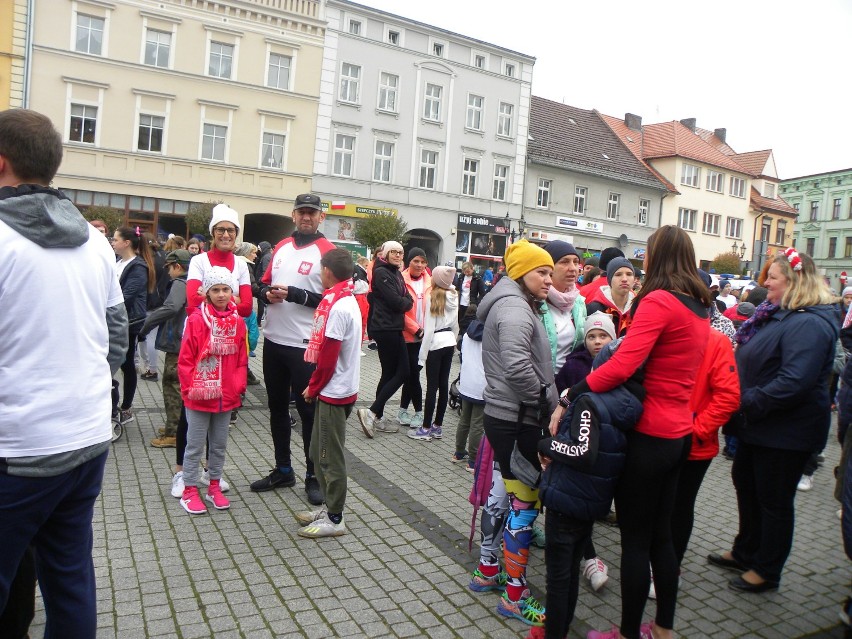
pixel 712 223
pixel 471 169
pixel 157 47
pixel 221 59
pixel 278 73
pixel 780 231
pixel 428 168
pixel 715 181
pixel 509 69
pixel 832 247
pixel 810 245
pixel 150 133
pixel 90 34
pixel 543 196
pixel 474 112
pixel 644 208
pixel 350 77
pixel 344 150
pixel 686 219
pixel 479 60
pixel 737 187
pixel 769 190
pixel 504 119
pixel 734 228
pixel 432 104
pixel 814 211
pixel 438 49
pixel 355 27
pixel 501 177
pixel 388 87
pixel 382 161
pixel 272 151
pixel 612 206
pixel 847 251
pixel 84 122
pixel 393 37
pixel 580 194
pixel 213 142
pixel 764 230
pixel 690 175
pixel 835 210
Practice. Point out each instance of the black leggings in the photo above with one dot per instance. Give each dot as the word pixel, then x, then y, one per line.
pixel 683 515
pixel 128 370
pixel 644 500
pixel 393 356
pixel 438 365
pixel 503 434
pixel 412 391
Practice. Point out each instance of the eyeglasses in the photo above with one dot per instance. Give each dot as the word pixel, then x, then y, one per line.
pixel 220 231
pixel 394 252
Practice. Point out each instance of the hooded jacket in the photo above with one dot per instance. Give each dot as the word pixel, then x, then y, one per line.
pixel 388 298
pixel 171 317
pixel 516 355
pixel 601 300
pixel 411 325
pixel 784 370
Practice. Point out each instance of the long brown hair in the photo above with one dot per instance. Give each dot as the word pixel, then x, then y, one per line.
pixel 670 266
pixel 140 246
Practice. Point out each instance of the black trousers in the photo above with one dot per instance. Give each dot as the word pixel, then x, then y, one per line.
pixel 20 606
pixel 393 356
pixel 644 500
pixel 566 540
pixel 503 434
pixel 412 391
pixel 683 515
pixel 284 371
pixel 128 371
pixel 765 480
pixel 438 366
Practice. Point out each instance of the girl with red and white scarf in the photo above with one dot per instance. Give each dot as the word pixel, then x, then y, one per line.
pixel 212 368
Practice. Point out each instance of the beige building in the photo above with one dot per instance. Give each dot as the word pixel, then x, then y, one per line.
pixel 13 44
pixel 165 103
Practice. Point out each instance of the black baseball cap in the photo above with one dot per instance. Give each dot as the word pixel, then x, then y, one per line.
pixel 308 201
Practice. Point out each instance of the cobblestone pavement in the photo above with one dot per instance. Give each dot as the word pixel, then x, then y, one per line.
pixel 402 570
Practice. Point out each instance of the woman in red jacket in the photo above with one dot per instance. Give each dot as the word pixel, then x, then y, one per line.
pixel 668 336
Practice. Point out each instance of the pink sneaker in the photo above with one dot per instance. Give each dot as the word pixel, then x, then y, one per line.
pixel 215 496
pixel 191 501
pixel 535 632
pixel 613 633
pixel 645 630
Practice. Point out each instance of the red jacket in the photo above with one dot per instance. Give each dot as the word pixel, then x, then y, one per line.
pixel 234 367
pixel 600 302
pixel 668 336
pixel 715 396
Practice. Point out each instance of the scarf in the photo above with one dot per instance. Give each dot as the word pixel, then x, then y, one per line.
pixel 550 329
pixel 329 299
pixel 207 375
pixel 563 301
pixel 749 328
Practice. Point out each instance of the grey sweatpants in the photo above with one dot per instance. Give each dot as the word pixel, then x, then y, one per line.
pixel 205 427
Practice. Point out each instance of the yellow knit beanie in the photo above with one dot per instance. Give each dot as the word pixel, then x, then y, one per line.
pixel 523 257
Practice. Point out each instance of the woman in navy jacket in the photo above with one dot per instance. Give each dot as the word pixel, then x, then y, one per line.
pixel 785 356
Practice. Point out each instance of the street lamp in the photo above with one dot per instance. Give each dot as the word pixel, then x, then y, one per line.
pixel 738 250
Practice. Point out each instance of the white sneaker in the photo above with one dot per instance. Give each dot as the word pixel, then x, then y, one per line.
pixel 403 417
pixel 204 478
pixel 595 571
pixel 367 419
pixel 177 485
pixel 322 527
pixel 305 517
pixel 416 420
pixel 385 425
pixel 806 483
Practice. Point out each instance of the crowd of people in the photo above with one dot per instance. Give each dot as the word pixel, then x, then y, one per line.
pixel 581 387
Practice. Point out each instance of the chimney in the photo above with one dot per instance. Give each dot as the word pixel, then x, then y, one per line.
pixel 721 133
pixel 633 121
pixel 689 123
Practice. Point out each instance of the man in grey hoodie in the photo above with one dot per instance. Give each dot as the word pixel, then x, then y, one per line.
pixel 55 376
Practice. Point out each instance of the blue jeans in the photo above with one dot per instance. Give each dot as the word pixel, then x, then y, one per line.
pixel 54 514
pixel 566 539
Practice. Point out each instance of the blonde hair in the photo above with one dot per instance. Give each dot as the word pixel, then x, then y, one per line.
pixel 805 287
pixel 438 301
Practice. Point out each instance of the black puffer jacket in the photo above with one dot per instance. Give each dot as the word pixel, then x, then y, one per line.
pixel 389 299
pixel 134 285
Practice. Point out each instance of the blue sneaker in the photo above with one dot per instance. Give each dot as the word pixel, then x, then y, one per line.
pixel 423 434
pixel 436 431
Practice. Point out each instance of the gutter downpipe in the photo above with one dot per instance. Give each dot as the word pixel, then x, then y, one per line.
pixel 28 53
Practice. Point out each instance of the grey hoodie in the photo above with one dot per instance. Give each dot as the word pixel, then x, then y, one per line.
pixel 516 354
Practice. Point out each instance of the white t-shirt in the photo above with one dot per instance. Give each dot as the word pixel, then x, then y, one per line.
pixel 464 293
pixel 418 287
pixel 344 324
pixel 727 300
pixel 55 381
pixel 120 265
pixel 565 333
pixel 200 264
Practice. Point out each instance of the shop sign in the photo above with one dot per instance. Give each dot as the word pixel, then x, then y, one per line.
pixel 579 225
pixel 547 236
pixel 482 224
pixel 348 209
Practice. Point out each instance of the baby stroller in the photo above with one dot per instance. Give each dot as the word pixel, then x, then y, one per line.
pixel 455 397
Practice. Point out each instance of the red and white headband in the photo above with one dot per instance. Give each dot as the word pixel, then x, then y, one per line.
pixel 794 259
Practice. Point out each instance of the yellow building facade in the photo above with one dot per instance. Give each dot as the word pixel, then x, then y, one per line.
pixel 168 103
pixel 13 37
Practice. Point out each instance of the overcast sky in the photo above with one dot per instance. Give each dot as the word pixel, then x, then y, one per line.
pixel 774 73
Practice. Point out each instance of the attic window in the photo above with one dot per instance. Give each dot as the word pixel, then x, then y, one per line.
pixel 571 121
pixel 629 139
pixel 605 156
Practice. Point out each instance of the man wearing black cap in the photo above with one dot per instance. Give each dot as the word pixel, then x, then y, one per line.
pixel 292 288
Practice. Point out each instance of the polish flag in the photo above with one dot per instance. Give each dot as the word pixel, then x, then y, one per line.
pixel 338 204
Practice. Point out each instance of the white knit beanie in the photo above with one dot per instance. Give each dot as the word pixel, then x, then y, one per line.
pixel 217 275
pixel 224 213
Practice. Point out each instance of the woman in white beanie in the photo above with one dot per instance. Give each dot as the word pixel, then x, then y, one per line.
pixel 436 351
pixel 224 228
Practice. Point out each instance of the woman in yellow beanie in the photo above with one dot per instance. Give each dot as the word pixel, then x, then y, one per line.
pixel 519 397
